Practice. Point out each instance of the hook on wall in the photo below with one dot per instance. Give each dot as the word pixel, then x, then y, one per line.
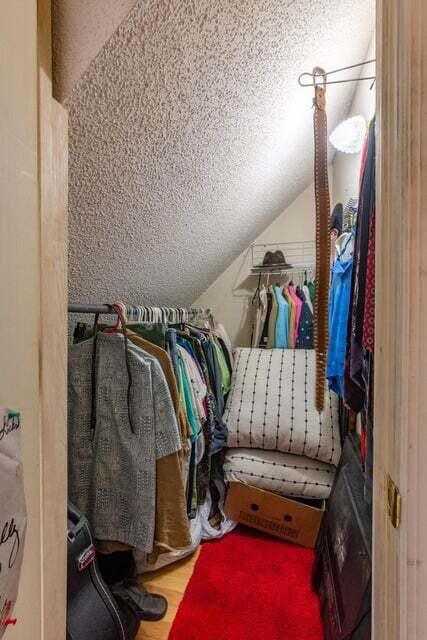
pixel 320 73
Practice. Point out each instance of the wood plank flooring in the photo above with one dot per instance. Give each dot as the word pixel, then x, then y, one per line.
pixel 170 582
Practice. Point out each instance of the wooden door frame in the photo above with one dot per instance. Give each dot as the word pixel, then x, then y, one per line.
pixel 400 555
pixel 53 203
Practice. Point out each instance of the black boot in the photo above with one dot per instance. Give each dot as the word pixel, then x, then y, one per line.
pixel 148 606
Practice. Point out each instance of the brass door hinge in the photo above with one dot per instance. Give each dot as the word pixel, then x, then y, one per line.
pixel 394 500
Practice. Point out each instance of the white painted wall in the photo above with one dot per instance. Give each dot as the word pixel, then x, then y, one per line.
pixel 230 295
pixel 346 166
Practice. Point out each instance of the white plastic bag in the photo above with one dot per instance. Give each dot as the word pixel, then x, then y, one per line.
pixel 210 532
pixel 13 513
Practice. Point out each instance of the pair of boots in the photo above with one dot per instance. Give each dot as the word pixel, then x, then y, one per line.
pixel 119 571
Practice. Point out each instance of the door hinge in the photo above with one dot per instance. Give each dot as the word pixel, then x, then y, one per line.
pixel 394 500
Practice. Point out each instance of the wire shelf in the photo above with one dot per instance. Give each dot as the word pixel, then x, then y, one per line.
pixel 299 256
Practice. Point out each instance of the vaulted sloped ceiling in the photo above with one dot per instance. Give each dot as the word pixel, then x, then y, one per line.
pixel 189 134
pixel 80 30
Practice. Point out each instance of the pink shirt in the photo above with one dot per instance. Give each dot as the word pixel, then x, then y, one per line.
pixel 298 303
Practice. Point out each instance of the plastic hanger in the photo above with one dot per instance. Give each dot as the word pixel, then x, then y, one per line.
pixel 120 309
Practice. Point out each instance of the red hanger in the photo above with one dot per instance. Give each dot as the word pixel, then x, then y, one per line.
pixel 118 308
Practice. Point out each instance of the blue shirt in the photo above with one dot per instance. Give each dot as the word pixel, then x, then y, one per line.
pixel 339 306
pixel 282 322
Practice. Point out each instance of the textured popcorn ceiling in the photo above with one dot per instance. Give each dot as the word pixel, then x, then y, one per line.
pixel 80 30
pixel 189 134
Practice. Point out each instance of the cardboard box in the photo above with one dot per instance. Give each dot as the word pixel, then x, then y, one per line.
pixel 288 519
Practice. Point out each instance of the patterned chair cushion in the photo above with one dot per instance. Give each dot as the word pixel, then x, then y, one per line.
pixel 271 405
pixel 283 473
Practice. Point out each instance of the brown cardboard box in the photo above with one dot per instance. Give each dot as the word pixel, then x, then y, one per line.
pixel 282 517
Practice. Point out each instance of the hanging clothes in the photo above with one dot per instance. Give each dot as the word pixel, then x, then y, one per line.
pixel 339 306
pixel 223 367
pixel 228 362
pixel 264 335
pixel 195 367
pixel 291 317
pixel 171 525
pixel 112 469
pixel 282 322
pixel 368 340
pixel 203 470
pixel 224 338
pixel 271 342
pixel 187 396
pixel 354 384
pixel 308 300
pixel 359 360
pixel 260 311
pixel 305 338
pixel 214 372
pixel 298 305
pixel 312 291
pixel 286 320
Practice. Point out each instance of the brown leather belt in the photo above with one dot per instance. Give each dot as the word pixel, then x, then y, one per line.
pixel 323 209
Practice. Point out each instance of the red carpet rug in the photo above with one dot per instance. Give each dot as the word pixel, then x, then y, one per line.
pixel 248 586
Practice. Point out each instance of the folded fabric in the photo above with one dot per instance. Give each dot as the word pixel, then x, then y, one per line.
pixel 283 473
pixel 271 405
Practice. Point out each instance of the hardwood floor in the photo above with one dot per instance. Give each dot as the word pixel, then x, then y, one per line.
pixel 170 582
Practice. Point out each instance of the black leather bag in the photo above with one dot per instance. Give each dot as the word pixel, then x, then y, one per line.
pixel 93 613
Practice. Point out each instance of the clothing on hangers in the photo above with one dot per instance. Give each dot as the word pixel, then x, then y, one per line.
pixel 281 340
pixel 264 335
pixel 260 304
pixel 308 300
pixel 359 356
pixel 339 305
pixel 292 317
pixel 305 338
pixel 112 475
pixel 277 313
pixel 298 305
pixel 355 387
pixel 271 341
pixel 179 386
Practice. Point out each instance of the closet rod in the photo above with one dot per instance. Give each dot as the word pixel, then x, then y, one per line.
pixel 325 77
pixel 91 308
pixel 109 309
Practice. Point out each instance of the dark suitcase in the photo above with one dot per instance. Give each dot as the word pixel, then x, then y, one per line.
pixel 93 613
pixel 342 572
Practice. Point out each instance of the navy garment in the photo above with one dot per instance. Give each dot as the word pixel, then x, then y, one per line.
pixel 305 339
pixel 220 432
pixel 339 307
pixel 264 335
pixel 354 383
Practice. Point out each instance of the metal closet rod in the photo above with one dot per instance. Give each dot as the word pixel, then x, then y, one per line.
pixel 109 309
pixel 326 75
pixel 91 308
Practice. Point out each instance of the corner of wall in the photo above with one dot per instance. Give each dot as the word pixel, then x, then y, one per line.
pixel 231 294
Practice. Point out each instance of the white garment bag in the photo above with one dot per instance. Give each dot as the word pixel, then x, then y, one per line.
pixel 13 514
